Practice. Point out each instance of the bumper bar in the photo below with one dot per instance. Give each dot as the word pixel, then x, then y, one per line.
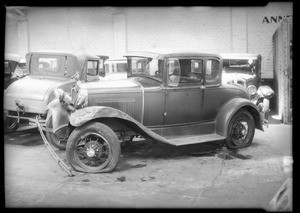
pixel 60 162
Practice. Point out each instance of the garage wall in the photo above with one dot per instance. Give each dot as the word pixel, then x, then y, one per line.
pixel 74 29
pixel 113 31
pixel 11 36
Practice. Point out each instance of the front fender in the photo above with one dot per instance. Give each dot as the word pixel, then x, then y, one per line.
pixel 82 116
pixel 230 108
pixel 59 115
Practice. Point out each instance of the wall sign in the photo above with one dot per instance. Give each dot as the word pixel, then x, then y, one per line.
pixel 274 19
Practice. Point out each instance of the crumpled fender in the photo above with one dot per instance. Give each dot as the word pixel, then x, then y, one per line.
pixel 60 116
pixel 82 116
pixel 230 108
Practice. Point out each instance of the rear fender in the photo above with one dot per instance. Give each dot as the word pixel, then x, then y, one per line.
pixel 60 116
pixel 82 116
pixel 230 108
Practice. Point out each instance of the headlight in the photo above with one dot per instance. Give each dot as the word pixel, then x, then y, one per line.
pixel 82 98
pixel 251 89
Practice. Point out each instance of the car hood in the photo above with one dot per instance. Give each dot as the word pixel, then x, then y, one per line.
pixel 231 76
pixel 34 88
pixel 125 85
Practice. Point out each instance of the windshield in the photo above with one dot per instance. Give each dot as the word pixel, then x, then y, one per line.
pixel 115 67
pixel 239 66
pixel 147 67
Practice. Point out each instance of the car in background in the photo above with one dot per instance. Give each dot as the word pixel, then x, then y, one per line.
pixel 10 64
pixel 242 68
pixel 20 69
pixel 45 71
pixel 171 97
pixel 116 69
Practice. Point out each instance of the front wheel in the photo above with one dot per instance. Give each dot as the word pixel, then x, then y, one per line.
pixel 241 130
pixel 93 148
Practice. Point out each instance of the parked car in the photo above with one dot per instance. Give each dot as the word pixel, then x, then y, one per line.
pixel 10 64
pixel 20 70
pixel 245 69
pixel 115 69
pixel 242 68
pixel 46 71
pixel 173 97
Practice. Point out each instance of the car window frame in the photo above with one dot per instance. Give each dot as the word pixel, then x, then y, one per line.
pixel 219 80
pixel 185 85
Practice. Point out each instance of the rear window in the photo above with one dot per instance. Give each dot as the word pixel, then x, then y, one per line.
pixel 51 65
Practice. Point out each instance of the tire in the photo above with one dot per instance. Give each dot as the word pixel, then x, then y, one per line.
pixel 240 130
pixel 10 125
pixel 53 139
pixel 83 146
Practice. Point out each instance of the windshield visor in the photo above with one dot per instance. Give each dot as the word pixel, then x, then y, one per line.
pixel 240 66
pixel 146 67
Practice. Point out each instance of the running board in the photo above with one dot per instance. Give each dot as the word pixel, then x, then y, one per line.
pixel 186 140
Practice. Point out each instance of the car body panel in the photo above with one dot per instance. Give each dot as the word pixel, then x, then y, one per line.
pixel 46 71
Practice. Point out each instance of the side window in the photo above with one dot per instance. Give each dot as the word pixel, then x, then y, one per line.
pixel 173 72
pixel 212 74
pixel 92 70
pixel 183 72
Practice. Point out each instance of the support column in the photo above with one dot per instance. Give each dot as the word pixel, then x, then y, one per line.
pixel 120 34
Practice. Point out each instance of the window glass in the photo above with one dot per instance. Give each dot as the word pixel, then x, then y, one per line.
pixel 184 72
pixel 92 68
pixel 49 64
pixel 52 65
pixel 145 67
pixel 212 71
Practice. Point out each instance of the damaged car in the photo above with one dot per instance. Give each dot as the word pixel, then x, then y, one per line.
pixel 170 97
pixel 45 72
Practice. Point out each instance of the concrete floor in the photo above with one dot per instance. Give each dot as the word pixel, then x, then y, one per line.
pixel 151 175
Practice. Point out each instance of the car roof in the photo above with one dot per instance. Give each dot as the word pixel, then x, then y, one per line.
pixel 169 53
pixel 79 55
pixel 12 57
pixel 239 55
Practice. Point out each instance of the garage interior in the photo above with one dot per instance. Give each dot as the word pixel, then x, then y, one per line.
pixel 265 30
pixel 155 175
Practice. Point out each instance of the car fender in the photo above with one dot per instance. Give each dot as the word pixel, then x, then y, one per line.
pixel 60 116
pixel 230 108
pixel 82 116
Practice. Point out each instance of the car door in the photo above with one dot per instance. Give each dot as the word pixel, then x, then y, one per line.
pixel 213 97
pixel 183 92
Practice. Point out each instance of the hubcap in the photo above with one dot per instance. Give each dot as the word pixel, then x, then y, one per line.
pixel 90 152
pixel 240 131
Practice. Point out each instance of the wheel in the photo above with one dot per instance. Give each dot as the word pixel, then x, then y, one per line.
pixel 10 125
pixel 93 148
pixel 241 130
pixel 55 140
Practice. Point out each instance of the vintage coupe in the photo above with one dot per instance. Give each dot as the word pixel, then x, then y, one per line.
pixel 173 97
pixel 45 71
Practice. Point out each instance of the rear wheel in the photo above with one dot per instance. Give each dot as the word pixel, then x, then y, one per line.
pixel 93 148
pixel 241 130
pixel 55 140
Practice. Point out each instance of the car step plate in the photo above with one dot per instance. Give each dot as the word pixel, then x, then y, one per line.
pixel 186 140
